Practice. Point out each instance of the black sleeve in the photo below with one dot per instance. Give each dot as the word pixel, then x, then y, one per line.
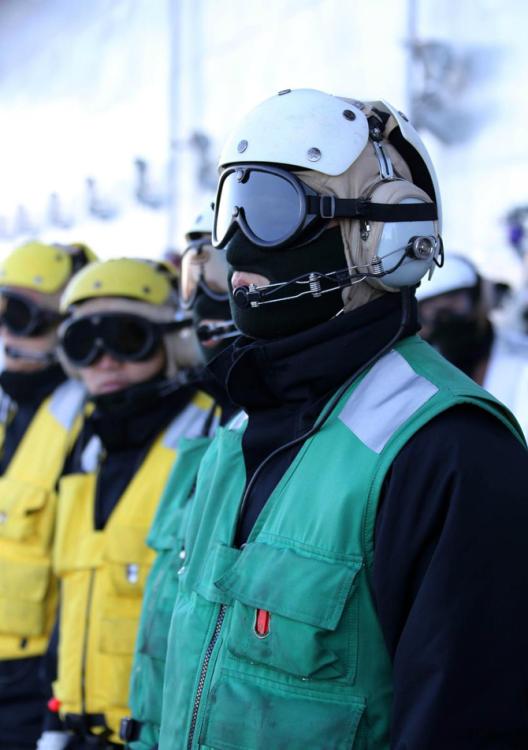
pixel 450 582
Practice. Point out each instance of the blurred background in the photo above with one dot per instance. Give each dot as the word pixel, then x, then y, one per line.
pixel 113 111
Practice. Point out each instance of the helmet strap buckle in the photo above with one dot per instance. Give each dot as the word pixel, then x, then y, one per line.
pixel 386 169
pixel 327 206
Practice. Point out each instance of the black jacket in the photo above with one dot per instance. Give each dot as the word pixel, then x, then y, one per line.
pixel 450 578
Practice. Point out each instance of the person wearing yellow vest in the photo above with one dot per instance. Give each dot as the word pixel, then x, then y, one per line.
pixel 355 572
pixel 131 346
pixel 203 291
pixel 39 420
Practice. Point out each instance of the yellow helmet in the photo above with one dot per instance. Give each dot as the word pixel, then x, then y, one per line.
pixel 138 286
pixel 42 267
pixel 133 278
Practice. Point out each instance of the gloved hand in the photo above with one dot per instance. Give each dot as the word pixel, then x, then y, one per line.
pixel 53 740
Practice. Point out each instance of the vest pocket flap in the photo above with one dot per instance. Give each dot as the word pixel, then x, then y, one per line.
pixel 220 558
pixel 278 580
pixel 19 502
pixel 128 560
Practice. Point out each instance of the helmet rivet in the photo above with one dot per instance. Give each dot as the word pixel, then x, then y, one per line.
pixel 349 115
pixel 236 210
pixel 97 284
pixel 58 257
pixel 313 154
pixel 284 91
pixel 242 146
pixel 146 289
pixel 38 279
pixel 375 134
pixel 404 117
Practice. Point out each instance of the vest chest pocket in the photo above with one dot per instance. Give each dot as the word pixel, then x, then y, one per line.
pixel 24 586
pixel 128 561
pixel 294 613
pixel 22 512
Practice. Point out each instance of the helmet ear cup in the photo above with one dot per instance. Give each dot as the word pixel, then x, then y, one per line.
pixel 395 246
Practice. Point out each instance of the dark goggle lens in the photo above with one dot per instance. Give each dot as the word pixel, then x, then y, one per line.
pixel 271 206
pixel 16 314
pixel 78 341
pixel 129 338
pixel 124 338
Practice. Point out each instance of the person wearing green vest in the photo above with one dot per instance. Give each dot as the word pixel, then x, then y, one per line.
pixel 126 337
pixel 40 417
pixel 203 290
pixel 355 572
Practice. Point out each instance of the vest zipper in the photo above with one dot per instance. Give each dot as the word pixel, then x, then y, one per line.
pixel 203 673
pixel 85 642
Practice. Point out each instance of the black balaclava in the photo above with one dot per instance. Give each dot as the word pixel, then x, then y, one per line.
pixel 465 340
pixel 205 308
pixel 324 254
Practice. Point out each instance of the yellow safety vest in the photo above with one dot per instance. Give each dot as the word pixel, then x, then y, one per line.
pixel 27 515
pixel 103 575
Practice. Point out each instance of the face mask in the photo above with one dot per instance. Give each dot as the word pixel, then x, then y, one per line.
pixel 269 321
pixel 205 308
pixel 462 339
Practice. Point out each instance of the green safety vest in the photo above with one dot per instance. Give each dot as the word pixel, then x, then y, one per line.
pixel 166 538
pixel 278 644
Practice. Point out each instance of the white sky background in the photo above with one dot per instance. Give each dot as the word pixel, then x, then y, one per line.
pixel 85 89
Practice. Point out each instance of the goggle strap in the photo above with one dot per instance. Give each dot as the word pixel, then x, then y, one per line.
pixel 329 207
pixel 175 325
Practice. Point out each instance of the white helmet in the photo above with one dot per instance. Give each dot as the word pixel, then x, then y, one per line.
pixel 203 222
pixel 329 135
pixel 458 272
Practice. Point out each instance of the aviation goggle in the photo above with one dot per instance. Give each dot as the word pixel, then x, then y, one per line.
pixel 202 267
pixel 125 337
pixel 274 208
pixel 23 317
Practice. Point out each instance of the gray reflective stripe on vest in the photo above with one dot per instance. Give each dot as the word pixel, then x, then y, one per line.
pixel 389 394
pixel 67 402
pixel 188 424
pixel 237 421
pixel 92 455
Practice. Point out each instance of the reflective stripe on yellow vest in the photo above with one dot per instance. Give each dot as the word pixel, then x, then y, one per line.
pixel 27 514
pixel 103 576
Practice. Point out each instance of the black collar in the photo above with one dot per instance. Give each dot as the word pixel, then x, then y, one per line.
pixel 311 364
pixel 31 387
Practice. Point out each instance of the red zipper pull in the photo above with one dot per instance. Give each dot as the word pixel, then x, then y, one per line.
pixel 262 623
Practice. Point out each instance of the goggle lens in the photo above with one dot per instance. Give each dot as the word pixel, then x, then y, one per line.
pixel 268 206
pixel 16 314
pixel 203 266
pixel 127 338
pixel 23 317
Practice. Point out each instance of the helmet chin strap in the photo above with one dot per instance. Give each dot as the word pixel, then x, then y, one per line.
pixel 255 296
pixel 45 358
pixel 217 331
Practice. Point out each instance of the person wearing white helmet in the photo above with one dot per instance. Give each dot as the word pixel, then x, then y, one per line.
pixel 40 414
pixel 354 573
pixel 203 292
pixel 454 310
